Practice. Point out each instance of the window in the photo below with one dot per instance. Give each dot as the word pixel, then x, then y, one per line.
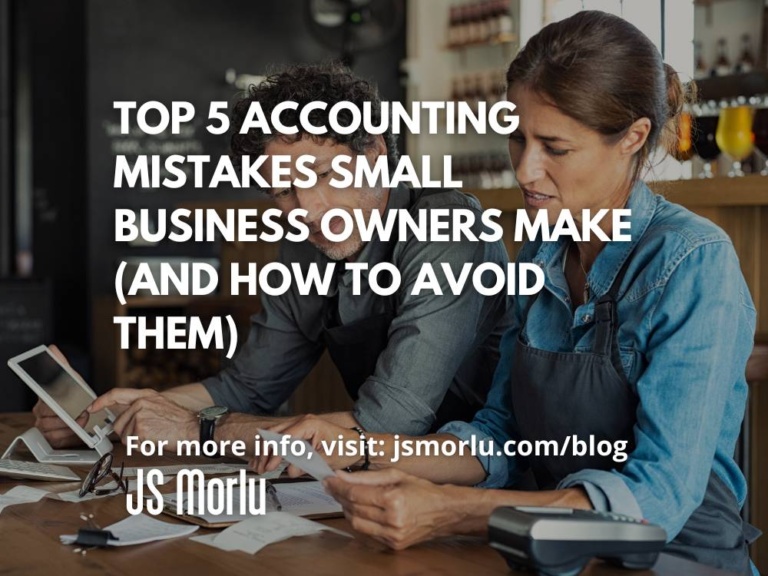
pixel 668 24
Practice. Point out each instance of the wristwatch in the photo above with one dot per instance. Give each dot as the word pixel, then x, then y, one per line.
pixel 208 417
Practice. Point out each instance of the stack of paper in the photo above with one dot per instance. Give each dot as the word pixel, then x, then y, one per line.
pixel 310 462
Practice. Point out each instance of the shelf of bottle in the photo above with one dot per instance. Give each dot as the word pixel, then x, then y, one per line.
pixel 749 190
pixel 501 40
pixel 745 84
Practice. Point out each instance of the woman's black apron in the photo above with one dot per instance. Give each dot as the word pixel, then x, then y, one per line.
pixel 355 347
pixel 558 394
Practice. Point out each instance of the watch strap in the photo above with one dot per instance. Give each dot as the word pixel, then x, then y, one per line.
pixel 207 429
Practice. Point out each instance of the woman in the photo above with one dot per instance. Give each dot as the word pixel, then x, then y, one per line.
pixel 642 344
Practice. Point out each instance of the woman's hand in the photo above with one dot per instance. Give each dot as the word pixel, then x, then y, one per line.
pixel 401 510
pixel 318 432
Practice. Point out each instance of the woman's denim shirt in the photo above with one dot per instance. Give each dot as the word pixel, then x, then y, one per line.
pixel 686 330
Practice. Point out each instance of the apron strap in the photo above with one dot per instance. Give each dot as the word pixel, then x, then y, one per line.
pixel 606 320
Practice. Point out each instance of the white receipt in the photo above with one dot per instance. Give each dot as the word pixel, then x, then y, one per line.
pixel 139 530
pixel 306 499
pixel 259 531
pixel 21 495
pixel 311 462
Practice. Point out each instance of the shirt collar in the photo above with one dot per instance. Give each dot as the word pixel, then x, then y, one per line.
pixel 377 250
pixel 642 204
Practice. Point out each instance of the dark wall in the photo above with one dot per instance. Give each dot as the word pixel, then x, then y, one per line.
pixel 53 41
pixel 179 50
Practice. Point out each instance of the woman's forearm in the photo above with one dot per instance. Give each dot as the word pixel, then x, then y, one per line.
pixel 472 507
pixel 422 457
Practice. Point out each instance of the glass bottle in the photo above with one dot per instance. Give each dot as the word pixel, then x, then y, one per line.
pixel 746 60
pixel 453 21
pixel 493 20
pixel 701 70
pixel 505 20
pixel 722 64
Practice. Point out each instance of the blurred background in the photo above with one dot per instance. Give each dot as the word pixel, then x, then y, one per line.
pixel 64 62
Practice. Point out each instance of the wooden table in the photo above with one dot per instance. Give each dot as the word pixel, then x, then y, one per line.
pixel 29 543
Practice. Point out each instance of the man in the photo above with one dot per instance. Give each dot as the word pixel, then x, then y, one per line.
pixel 411 363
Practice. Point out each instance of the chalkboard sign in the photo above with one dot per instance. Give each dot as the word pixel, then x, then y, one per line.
pixel 25 322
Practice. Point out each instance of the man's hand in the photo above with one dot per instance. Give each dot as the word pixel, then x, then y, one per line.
pixel 316 430
pixel 149 415
pixel 396 508
pixel 54 429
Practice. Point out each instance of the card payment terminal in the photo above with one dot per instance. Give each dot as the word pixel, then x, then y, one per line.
pixel 561 541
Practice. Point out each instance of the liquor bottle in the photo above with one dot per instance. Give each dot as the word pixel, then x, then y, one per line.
pixel 493 20
pixel 483 22
pixel 497 173
pixel 507 174
pixel 453 26
pixel 701 70
pixel 505 20
pixel 473 25
pixel 722 64
pixel 746 60
pixel 457 92
pixel 462 26
pixel 490 94
pixel 471 95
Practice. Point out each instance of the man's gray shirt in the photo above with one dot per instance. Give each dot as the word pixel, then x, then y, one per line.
pixel 435 342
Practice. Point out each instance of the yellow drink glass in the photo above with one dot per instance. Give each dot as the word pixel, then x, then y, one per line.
pixel 734 135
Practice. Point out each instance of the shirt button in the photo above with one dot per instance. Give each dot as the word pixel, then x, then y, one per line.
pixel 586 318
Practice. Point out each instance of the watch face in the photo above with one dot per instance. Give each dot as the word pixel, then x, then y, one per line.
pixel 213 412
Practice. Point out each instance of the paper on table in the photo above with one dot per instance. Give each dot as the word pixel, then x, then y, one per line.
pixel 21 495
pixel 139 530
pixel 311 462
pixel 255 533
pixel 25 494
pixel 74 495
pixel 297 498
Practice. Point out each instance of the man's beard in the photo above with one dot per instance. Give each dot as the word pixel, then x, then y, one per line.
pixel 352 245
pixel 342 250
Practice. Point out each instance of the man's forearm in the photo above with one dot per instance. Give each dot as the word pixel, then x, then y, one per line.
pixel 193 397
pixel 344 419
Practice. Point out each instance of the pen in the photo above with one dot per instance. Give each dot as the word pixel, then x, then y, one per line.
pixel 272 491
